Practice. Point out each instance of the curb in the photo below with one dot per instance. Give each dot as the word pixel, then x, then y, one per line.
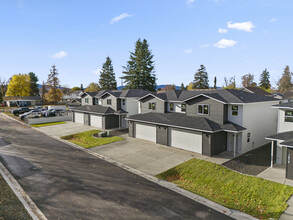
pixel 26 201
pixel 171 186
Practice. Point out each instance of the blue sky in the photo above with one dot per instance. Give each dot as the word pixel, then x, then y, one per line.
pixel 230 37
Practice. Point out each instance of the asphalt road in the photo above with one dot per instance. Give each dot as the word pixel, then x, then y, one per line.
pixel 66 183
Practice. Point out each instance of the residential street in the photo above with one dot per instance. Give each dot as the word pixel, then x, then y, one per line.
pixel 66 183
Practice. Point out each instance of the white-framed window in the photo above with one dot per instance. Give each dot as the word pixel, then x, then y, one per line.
pixel 248 137
pixel 123 101
pixel 171 107
pixel 109 101
pixel 234 110
pixel 153 106
pixel 183 107
pixel 288 116
pixel 203 109
pixel 86 100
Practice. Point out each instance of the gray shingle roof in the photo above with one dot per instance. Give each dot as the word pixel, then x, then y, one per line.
pixel 128 93
pixel 286 137
pixel 224 95
pixel 97 109
pixel 258 91
pixel 184 121
pixel 284 105
pixel 22 98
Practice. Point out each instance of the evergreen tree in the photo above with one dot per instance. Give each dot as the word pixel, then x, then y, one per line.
pixel 33 84
pixel 107 76
pixel 201 80
pixel 285 83
pixel 182 86
pixel 265 80
pixel 215 82
pixel 139 72
pixel 54 94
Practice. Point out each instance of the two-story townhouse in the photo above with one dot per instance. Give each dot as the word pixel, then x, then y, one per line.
pixel 282 140
pixel 108 109
pixel 205 122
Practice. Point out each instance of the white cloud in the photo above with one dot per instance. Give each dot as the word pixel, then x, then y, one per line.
pixel 97 72
pixel 59 55
pixel 222 31
pixel 188 51
pixel 224 43
pixel 190 1
pixel 120 17
pixel 204 45
pixel 244 26
pixel 273 20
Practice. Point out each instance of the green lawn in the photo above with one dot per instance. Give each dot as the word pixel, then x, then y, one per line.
pixel 86 139
pixel 48 124
pixel 255 196
pixel 10 206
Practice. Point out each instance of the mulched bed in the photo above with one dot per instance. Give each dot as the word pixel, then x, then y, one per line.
pixel 253 162
pixel 115 133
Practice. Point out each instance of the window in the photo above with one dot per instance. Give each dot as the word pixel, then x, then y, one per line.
pixel 86 100
pixel 154 106
pixel 248 137
pixel 150 105
pixel 234 110
pixel 171 107
pixel 109 101
pixel 203 109
pixel 288 116
pixel 183 107
pixel 123 101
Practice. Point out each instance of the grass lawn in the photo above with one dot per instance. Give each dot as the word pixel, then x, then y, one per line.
pixel 254 196
pixel 12 115
pixel 10 206
pixel 86 139
pixel 48 124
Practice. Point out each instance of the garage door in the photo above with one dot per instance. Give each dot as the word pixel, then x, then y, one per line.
pixel 79 118
pixel 145 132
pixel 186 141
pixel 96 121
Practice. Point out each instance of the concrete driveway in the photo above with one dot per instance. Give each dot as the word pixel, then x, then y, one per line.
pixel 149 157
pixel 66 129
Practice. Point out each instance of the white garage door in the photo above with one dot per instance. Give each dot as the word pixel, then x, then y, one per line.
pixel 96 121
pixel 79 118
pixel 145 132
pixel 186 141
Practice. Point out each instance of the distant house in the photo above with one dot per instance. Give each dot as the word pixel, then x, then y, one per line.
pixel 73 98
pixel 22 100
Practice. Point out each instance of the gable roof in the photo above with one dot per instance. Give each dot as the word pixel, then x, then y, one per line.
pixel 184 121
pixel 97 109
pixel 91 94
pixel 22 98
pixel 257 91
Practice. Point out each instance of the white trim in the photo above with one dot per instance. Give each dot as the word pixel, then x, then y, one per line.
pixel 274 139
pixel 283 145
pixel 203 109
pixel 151 95
pixel 204 96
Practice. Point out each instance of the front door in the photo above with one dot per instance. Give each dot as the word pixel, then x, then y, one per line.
pixel 289 167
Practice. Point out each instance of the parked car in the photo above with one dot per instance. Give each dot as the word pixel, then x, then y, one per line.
pixel 21 110
pixel 31 114
pixel 53 112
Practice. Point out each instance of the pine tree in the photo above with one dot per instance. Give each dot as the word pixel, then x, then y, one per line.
pixel 182 86
pixel 139 72
pixel 215 82
pixel 285 83
pixel 33 84
pixel 107 76
pixel 201 80
pixel 265 80
pixel 55 94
